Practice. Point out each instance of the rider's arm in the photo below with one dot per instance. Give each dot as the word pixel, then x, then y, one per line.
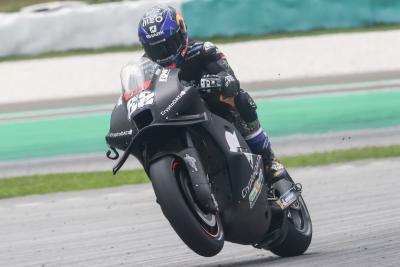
pixel 216 64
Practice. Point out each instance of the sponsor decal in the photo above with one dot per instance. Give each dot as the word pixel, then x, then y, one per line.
pixel 191 161
pixel 253 177
pixel 278 168
pixel 138 101
pixel 256 191
pixel 232 141
pixel 149 36
pixel 120 134
pixel 288 198
pixel 228 80
pixel 164 75
pixel 254 186
pixel 173 102
pixel 152 19
pixel 153 29
pixel 249 158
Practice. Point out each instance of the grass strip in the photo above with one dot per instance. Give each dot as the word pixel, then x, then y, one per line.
pixel 217 40
pixel 50 183
pixel 41 184
pixel 339 156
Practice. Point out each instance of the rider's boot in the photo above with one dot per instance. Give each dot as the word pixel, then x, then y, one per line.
pixel 259 143
pixel 245 118
pixel 281 187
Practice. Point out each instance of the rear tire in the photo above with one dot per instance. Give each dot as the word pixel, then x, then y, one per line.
pixel 201 232
pixel 299 231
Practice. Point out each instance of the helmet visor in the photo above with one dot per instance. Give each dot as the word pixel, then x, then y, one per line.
pixel 167 49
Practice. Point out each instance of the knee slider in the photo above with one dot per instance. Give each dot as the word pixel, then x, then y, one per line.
pixel 246 106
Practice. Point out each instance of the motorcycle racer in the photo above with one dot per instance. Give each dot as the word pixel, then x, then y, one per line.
pixel 163 34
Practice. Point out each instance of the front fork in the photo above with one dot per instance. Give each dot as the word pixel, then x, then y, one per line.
pixel 197 175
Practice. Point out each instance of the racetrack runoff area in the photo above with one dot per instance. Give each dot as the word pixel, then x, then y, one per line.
pixel 79 130
pixel 307 86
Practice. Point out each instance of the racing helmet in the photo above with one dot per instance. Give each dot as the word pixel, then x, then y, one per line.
pixel 163 35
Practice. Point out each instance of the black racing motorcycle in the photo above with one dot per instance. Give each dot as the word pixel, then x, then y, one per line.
pixel 210 187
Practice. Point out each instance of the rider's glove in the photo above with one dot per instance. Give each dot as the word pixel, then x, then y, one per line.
pixel 210 81
pixel 227 83
pixel 230 87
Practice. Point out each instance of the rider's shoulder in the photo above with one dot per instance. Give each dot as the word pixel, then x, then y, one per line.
pixel 202 48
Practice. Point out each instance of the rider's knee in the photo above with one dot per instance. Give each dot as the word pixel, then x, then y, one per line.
pixel 246 106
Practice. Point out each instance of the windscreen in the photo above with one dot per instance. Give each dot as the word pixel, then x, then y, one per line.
pixel 137 77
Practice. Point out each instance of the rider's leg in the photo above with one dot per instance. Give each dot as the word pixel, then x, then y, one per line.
pixel 246 120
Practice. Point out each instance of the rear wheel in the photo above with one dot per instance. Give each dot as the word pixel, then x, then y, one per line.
pixel 201 231
pixel 299 231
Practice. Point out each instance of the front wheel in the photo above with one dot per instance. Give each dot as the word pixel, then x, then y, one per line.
pixel 202 232
pixel 299 233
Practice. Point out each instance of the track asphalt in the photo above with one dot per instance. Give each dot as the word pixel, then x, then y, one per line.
pixel 355 210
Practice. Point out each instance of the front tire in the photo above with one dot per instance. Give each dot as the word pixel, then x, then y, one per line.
pixel 201 232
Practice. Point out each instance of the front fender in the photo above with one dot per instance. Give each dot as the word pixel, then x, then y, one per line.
pixel 198 177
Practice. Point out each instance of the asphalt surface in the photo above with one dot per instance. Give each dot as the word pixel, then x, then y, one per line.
pixel 354 207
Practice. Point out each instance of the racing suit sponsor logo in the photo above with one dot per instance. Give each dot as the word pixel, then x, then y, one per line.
pixel 193 55
pixel 173 102
pixel 228 80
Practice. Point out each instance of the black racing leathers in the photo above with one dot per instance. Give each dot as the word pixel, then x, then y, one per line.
pixel 231 102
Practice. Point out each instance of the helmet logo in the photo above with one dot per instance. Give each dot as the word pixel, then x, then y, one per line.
pixel 152 19
pixel 153 29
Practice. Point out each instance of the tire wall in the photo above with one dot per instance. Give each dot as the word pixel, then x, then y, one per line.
pixel 210 18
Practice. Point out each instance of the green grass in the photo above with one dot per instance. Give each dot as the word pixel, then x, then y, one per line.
pixel 41 184
pixel 217 40
pixel 339 156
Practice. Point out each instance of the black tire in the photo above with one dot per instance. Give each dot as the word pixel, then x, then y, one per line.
pixel 204 235
pixel 299 231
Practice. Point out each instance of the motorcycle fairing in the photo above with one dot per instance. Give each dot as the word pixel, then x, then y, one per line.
pixel 246 173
